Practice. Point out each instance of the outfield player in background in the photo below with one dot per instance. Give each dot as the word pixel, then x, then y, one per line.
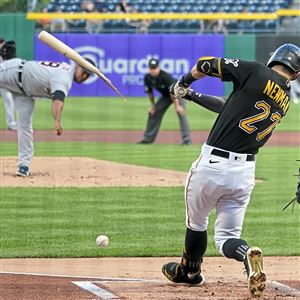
pixel 223 177
pixel 29 79
pixel 8 51
pixel 161 81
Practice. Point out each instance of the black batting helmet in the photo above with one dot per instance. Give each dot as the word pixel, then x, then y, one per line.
pixel 287 55
pixel 8 50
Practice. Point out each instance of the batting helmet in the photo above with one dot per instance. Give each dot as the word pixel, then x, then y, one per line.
pixel 8 50
pixel 287 55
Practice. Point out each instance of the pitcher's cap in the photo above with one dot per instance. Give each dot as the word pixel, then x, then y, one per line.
pixel 153 63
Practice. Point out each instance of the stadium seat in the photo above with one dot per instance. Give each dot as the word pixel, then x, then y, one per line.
pixel 246 26
pixel 76 25
pixel 232 26
pixel 260 26
pixel 271 26
pixel 156 26
pixel 187 6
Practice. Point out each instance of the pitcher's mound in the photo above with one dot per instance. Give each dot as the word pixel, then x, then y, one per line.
pixel 86 172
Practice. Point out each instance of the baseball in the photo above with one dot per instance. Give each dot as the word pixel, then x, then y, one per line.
pixel 102 241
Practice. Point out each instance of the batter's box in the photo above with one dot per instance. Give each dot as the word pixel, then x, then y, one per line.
pixel 220 290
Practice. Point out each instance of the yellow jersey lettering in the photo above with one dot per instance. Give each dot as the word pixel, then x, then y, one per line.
pixel 269 87
pixel 276 93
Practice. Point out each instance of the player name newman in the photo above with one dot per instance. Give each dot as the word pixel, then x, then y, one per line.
pixel 276 93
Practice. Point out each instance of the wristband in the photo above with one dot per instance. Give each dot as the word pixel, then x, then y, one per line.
pixel 187 79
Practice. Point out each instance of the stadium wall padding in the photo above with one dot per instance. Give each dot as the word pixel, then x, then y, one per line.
pixel 265 45
pixel 15 27
pixel 124 58
pixel 239 46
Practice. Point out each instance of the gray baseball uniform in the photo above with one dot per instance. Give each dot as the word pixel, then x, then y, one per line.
pixel 29 79
pixel 9 107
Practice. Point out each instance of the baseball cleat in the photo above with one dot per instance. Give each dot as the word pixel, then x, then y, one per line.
pixel 175 273
pixel 12 127
pixel 254 268
pixel 23 171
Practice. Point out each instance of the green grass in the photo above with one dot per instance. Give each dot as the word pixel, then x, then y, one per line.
pixel 40 222
pixel 114 114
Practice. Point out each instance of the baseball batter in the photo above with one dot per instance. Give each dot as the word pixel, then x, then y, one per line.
pixel 223 176
pixel 29 79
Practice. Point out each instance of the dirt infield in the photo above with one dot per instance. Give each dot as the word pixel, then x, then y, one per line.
pixel 139 278
pixel 86 172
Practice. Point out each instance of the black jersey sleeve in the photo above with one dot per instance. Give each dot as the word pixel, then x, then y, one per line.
pixel 226 69
pixel 236 70
pixel 147 84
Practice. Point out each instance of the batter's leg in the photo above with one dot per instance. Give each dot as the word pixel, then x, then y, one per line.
pixel 9 109
pixel 154 121
pixel 25 108
pixel 228 228
pixel 184 126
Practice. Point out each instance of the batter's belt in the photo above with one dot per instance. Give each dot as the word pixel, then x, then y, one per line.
pixel 225 154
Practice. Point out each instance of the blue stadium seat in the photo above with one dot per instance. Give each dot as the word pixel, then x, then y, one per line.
pixel 167 25
pixel 260 26
pixel 193 25
pixel 156 25
pixel 52 7
pixel 77 25
pixel 271 26
pixel 232 26
pixel 246 26
pixel 111 7
pixel 185 6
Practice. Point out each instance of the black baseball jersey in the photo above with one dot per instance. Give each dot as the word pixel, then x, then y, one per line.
pixel 161 83
pixel 260 98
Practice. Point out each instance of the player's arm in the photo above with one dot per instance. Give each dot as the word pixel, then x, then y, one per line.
pixel 205 66
pixel 57 107
pixel 148 89
pixel 212 103
pixel 233 70
pixel 178 108
pixel 152 103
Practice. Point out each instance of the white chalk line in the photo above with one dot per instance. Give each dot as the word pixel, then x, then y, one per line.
pixel 284 288
pixel 94 289
pixel 83 277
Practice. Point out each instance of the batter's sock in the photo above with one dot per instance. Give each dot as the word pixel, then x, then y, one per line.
pixel 235 248
pixel 195 247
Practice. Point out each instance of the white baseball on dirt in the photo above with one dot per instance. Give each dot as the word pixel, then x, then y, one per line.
pixel 102 241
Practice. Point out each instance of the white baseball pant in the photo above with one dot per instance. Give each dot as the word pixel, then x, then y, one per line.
pixel 222 183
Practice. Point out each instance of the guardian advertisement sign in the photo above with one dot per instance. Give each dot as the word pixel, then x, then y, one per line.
pixel 123 58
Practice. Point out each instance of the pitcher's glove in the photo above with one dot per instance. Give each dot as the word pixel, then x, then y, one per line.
pixel 8 50
pixel 297 198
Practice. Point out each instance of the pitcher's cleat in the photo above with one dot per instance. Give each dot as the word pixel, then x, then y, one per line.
pixel 255 273
pixel 23 171
pixel 175 273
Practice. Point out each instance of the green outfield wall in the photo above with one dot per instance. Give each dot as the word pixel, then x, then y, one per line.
pixel 15 27
pixel 239 46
